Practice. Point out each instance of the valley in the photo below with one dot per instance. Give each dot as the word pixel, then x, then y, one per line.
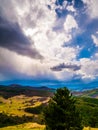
pixel 21 107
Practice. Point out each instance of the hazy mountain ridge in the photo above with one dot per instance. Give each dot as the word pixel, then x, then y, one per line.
pixel 15 89
pixel 93 93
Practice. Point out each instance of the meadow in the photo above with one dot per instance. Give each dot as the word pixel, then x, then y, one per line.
pixel 16 105
pixel 25 126
pixel 89 128
pixel 20 106
pixel 34 126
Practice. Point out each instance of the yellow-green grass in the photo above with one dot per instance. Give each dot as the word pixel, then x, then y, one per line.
pixel 13 106
pixel 25 126
pixel 89 128
pixel 34 126
pixel 16 105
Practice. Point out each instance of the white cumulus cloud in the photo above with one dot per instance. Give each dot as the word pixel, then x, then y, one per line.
pixel 89 69
pixel 70 23
pixel 95 40
pixel 92 7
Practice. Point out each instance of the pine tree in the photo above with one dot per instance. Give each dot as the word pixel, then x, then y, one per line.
pixel 61 113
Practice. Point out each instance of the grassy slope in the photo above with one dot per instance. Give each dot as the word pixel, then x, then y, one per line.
pixel 15 104
pixel 14 99
pixel 25 126
pixel 34 126
pixel 88 128
pixel 89 93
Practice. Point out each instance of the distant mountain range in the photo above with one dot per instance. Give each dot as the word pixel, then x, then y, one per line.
pixel 15 89
pixel 76 84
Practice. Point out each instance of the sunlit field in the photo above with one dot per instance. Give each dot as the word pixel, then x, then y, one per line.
pixel 34 126
pixel 89 128
pixel 16 105
pixel 25 126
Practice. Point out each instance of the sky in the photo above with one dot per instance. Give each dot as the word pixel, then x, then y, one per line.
pixel 49 43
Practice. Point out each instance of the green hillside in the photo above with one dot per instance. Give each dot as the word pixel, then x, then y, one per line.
pixel 88 93
pixel 88 108
pixel 21 107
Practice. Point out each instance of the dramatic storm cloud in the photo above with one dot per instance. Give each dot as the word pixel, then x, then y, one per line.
pixel 65 66
pixel 12 38
pixel 48 42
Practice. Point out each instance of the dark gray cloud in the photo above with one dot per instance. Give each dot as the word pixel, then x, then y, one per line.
pixel 62 66
pixel 12 38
